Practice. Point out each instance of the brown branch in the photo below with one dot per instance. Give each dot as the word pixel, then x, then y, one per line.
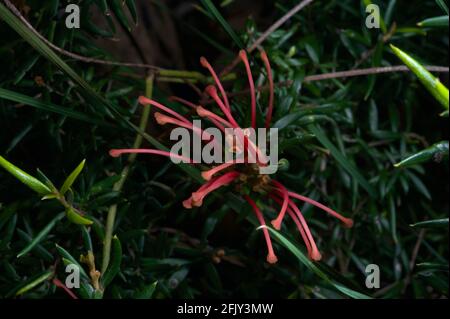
pixel 342 74
pixel 376 70
pixel 412 261
pixel 70 54
pixel 279 23
pixel 267 33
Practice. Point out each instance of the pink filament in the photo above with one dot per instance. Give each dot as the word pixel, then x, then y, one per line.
pixel 188 202
pixel 192 105
pixel 198 196
pixel 315 254
pixel 182 101
pixel 206 64
pixel 271 257
pixel 164 119
pixel 212 91
pixel 59 284
pixel 201 111
pixel 209 173
pixel 271 92
pixel 277 221
pixel 347 221
pixel 297 223
pixel 144 101
pixel 243 56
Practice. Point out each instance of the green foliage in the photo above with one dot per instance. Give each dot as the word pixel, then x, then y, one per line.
pixel 310 265
pixel 438 152
pixel 71 178
pixel 433 85
pixel 27 179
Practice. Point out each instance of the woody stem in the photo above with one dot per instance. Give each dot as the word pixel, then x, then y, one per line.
pixel 109 227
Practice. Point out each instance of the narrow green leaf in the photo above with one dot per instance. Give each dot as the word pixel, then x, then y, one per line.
pixel 319 109
pixel 68 259
pixel 432 266
pixel 209 40
pixel 76 218
pixel 132 8
pixel 441 21
pixel 103 5
pixel 6 213
pixel 118 8
pixel 346 164
pixel 442 5
pixel 41 176
pixel 146 292
pixel 213 10
pixel 419 185
pixel 9 232
pixel 437 151
pixel 34 282
pixel 116 260
pixel 87 238
pixel 49 107
pixel 38 250
pixel 95 30
pixel 50 196
pixel 389 12
pixel 431 83
pixel 72 177
pixel 41 235
pixel 309 264
pixel 25 68
pixel 393 213
pixel 25 178
pixel 16 140
pixel 432 223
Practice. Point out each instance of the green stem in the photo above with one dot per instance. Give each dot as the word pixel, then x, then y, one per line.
pixel 182 74
pixel 109 228
pixel 174 77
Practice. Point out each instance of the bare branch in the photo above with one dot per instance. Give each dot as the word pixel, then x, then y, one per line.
pixel 267 33
pixel 70 54
pixel 343 74
pixel 377 70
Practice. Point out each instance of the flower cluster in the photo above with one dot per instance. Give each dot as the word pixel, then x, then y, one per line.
pixel 244 175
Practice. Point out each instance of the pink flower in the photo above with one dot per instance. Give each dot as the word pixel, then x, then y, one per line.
pixel 241 173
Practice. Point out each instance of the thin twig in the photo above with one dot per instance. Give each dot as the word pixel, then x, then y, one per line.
pixel 278 24
pixel 171 75
pixel 341 74
pixel 412 262
pixel 376 70
pixel 267 33
pixel 70 54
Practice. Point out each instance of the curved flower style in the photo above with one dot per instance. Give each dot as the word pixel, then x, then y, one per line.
pixel 244 174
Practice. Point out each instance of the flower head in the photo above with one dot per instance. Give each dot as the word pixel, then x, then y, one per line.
pixel 244 174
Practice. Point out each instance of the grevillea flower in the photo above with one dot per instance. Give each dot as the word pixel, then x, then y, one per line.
pixel 245 175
